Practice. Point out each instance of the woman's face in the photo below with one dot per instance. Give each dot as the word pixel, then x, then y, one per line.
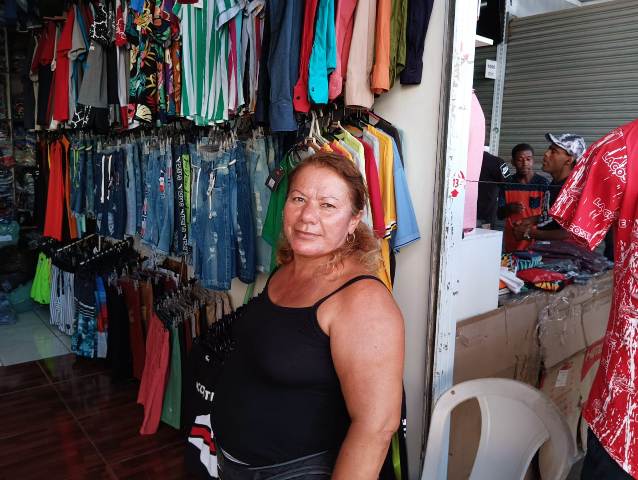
pixel 318 212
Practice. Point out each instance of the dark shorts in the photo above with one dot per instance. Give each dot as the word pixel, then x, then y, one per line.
pixel 313 467
pixel 598 463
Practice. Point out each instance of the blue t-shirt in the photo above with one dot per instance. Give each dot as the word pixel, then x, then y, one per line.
pixel 323 59
pixel 407 228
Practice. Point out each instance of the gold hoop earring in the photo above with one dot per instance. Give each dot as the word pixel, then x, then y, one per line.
pixel 350 238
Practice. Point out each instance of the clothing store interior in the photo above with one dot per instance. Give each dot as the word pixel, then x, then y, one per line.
pixel 146 148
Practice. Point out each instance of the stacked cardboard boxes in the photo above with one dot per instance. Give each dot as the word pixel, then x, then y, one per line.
pixel 550 341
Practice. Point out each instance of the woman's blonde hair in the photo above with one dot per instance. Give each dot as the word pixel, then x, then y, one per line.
pixel 364 246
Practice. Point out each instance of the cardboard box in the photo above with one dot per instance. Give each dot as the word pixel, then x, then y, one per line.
pixel 521 322
pixel 560 331
pixel 591 363
pixel 596 316
pixel 562 383
pixel 501 343
pixel 480 351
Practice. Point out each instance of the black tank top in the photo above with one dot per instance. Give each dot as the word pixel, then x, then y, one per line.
pixel 278 397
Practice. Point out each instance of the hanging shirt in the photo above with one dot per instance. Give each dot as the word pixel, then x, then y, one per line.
pixel 344 24
pixel 407 227
pixel 77 58
pixel 386 179
pixel 419 12
pixel 323 59
pixel 61 75
pixel 274 217
pixel 285 20
pixel 398 38
pixel 300 93
pixel 602 191
pixel 361 56
pixel 374 190
pixel 252 44
pixel 380 79
pixel 205 50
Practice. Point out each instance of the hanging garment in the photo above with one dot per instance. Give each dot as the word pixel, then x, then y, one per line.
pixel 344 25
pixel 474 161
pixel 323 59
pixel 361 56
pixel 419 12
pixel 62 75
pixel 380 77
pixel 55 193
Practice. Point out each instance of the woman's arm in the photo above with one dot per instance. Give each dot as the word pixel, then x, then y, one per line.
pixel 367 343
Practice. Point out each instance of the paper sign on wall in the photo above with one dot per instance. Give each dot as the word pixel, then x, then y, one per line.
pixel 490 69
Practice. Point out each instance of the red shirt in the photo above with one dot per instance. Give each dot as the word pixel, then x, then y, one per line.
pixel 603 191
pixel 344 24
pixel 374 190
pixel 61 75
pixel 300 92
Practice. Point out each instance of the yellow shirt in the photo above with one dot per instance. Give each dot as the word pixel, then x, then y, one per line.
pixel 386 179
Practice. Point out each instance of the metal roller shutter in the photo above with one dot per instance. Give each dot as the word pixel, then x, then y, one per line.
pixel 570 71
pixel 484 87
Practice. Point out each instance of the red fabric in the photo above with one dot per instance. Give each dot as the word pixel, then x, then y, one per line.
pixel 153 383
pixel 136 333
pixel 70 216
pixel 55 194
pixel 374 190
pixel 120 27
pixel 537 275
pixel 61 74
pixel 47 43
pixel 232 63
pixel 344 24
pixel 300 92
pixel 603 191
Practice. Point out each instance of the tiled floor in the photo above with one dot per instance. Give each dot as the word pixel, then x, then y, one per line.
pixel 31 338
pixel 63 418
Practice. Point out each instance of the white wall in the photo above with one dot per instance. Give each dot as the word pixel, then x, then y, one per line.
pixel 415 110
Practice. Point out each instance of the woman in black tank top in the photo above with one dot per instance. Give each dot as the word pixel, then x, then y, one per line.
pixel 313 388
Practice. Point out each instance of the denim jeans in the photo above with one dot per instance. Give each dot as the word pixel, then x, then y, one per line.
pixel 89 190
pixel 130 182
pixel 100 191
pixel 180 241
pixel 139 185
pixel 213 225
pixel 196 169
pixel 313 467
pixel 243 238
pixel 165 203
pixel 77 161
pixel 116 196
pixel 151 167
pixel 257 159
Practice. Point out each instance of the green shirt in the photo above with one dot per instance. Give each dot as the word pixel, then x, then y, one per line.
pixel 398 27
pixel 274 217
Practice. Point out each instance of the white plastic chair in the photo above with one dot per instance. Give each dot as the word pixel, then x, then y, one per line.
pixel 517 421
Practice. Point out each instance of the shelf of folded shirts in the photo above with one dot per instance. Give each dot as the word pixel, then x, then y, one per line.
pixel 480 41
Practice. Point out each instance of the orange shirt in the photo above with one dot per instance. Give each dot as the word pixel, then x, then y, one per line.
pixel 380 79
